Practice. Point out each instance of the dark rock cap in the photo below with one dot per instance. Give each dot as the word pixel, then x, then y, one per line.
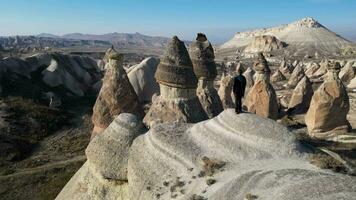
pixel 261 65
pixel 202 55
pixel 108 52
pixel 115 56
pixel 176 68
pixel 332 65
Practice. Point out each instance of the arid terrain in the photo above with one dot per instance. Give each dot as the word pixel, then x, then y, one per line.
pixel 56 92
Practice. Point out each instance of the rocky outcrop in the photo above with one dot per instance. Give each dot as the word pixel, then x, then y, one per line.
pixel 249 74
pixel 321 71
pixel 142 79
pixel 297 75
pixel 311 69
pixel 176 161
pixel 246 147
pixel 225 91
pixel 177 100
pixel 348 72
pixel 262 98
pixel 264 43
pixel 108 52
pixel 285 68
pixel 277 76
pixel 329 101
pixel 116 96
pixel 65 75
pixel 104 175
pixel 202 55
pixel 301 97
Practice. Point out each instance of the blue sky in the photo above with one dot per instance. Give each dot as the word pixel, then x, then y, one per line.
pixel 219 19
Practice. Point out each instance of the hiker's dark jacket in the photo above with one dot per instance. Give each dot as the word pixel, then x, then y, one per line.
pixel 239 85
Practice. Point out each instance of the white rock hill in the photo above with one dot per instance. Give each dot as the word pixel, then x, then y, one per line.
pixel 305 33
pixel 225 158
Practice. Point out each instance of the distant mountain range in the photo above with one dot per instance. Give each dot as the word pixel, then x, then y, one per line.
pixel 126 40
pixel 89 41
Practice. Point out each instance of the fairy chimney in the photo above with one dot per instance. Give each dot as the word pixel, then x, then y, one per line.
pixel 202 56
pixel 262 98
pixel 329 106
pixel 178 101
pixel 116 96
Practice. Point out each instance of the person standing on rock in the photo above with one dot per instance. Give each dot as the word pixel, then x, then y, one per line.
pixel 239 90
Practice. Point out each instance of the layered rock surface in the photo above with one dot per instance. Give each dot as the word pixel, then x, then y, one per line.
pixel 116 96
pixel 224 158
pixel 221 158
pixel 178 100
pixel 202 55
pixel 329 106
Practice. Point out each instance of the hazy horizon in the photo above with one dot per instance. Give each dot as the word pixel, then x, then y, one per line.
pixel 220 20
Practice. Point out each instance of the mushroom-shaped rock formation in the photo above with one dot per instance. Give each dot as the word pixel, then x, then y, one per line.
pixel 329 106
pixel 116 96
pixel 262 98
pixel 277 76
pixel 104 175
pixel 296 76
pixel 225 91
pixel 142 79
pixel 301 97
pixel 202 55
pixel 178 100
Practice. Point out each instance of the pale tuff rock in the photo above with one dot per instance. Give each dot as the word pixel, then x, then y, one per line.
pixel 249 73
pixel 262 99
pixel 277 76
pixel 116 96
pixel 301 97
pixel 243 153
pixel 348 72
pixel 202 56
pixel 329 106
pixel 297 75
pixel 352 84
pixel 141 77
pixel 225 91
pixel 285 68
pixel 108 52
pixel 311 69
pixel 264 43
pixel 104 175
pixel 321 71
pixel 178 100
